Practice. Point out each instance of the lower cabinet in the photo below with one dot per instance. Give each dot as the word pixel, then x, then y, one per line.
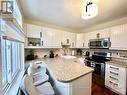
pixel 79 86
pixel 115 78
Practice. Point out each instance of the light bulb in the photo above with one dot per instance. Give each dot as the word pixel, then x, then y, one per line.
pixel 92 11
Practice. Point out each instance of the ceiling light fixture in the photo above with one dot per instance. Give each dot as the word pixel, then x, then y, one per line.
pixel 89 10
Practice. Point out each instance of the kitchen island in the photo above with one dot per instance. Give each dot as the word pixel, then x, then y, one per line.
pixel 68 76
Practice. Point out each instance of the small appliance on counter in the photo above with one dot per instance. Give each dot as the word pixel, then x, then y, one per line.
pixel 51 54
pixel 87 54
pixel 31 55
pixel 73 52
pixel 97 61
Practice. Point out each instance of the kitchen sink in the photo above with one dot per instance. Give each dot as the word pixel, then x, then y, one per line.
pixel 68 56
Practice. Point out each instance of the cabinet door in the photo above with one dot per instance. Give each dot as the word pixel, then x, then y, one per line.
pixel 34 31
pixel 80 41
pixel 119 37
pixel 47 37
pixel 72 40
pixel 52 37
pixel 104 33
pixel 56 38
pixel 88 36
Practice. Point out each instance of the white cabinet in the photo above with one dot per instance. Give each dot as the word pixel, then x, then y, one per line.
pixel 119 37
pixel 72 38
pixel 88 36
pixel 115 78
pixel 104 33
pixel 51 38
pixel 34 31
pixel 47 37
pixel 80 40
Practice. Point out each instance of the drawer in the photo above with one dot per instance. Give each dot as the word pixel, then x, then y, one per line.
pixel 115 78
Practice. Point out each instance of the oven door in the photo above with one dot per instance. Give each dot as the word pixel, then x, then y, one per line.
pixel 99 69
pixel 99 73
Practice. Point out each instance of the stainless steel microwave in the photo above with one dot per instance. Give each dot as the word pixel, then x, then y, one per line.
pixel 100 43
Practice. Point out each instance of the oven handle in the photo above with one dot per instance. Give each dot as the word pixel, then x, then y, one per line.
pixel 96 62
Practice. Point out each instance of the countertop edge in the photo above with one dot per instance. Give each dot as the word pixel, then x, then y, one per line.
pixel 67 81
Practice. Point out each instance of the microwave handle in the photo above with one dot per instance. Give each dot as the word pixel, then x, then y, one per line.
pixel 110 44
pixel 89 44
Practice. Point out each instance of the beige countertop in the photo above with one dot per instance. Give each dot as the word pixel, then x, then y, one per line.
pixel 118 63
pixel 66 70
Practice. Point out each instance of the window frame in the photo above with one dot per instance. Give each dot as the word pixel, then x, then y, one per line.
pixel 11 78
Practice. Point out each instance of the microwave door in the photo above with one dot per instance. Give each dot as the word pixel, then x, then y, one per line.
pixel 105 44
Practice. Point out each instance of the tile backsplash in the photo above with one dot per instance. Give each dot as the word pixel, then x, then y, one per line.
pixel 41 52
pixel 115 53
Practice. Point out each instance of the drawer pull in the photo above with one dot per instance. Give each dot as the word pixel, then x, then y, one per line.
pixel 114 73
pixel 113 78
pixel 116 84
pixel 114 68
pixel 110 81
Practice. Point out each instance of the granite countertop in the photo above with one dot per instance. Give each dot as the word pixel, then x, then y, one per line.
pixel 66 70
pixel 118 63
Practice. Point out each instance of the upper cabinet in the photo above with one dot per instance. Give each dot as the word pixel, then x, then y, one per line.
pixel 104 33
pixel 34 31
pixel 88 36
pixel 48 37
pixel 72 39
pixel 51 38
pixel 119 37
pixel 80 40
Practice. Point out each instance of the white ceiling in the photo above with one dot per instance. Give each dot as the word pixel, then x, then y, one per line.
pixel 66 13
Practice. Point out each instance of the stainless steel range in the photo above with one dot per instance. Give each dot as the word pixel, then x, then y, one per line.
pixel 97 61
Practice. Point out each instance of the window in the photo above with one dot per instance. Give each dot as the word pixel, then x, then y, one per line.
pixel 4 65
pixel 11 61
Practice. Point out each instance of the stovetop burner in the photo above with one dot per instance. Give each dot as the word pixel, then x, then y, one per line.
pixel 100 57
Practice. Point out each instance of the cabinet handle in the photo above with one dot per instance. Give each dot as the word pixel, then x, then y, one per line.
pixel 83 44
pixel 114 68
pixel 113 78
pixel 42 43
pixel 68 41
pixel 61 43
pixel 73 44
pixel 115 84
pixel 110 44
pixel 114 73
pixel 40 34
